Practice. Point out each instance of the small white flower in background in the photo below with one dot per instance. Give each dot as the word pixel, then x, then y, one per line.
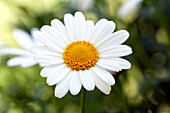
pixel 83 5
pixel 81 54
pixel 24 58
pixel 127 7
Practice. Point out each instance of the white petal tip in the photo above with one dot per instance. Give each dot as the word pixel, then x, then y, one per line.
pixel 54 21
pixel 49 83
pixel 36 34
pixel 78 13
pixel 127 33
pixel 73 92
pixel 42 75
pixel 112 83
pixel 130 50
pixel 91 88
pixel 107 93
pixel 58 96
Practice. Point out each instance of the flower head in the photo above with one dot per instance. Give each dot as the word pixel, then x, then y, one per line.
pixel 24 57
pixel 80 53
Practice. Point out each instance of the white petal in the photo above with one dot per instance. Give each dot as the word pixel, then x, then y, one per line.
pixel 87 80
pixel 105 31
pixel 70 26
pixel 124 64
pixel 114 64
pixel 97 30
pixel 103 74
pixel 100 84
pixel 80 26
pixel 75 84
pixel 50 70
pixel 46 56
pixel 41 50
pixel 89 27
pixel 36 42
pixel 22 61
pixel 56 77
pixel 47 41
pixel 115 51
pixel 46 60
pixel 113 48
pixel 62 87
pixel 109 65
pixel 28 63
pixel 23 38
pixel 54 35
pixel 13 51
pixel 116 38
pixel 58 25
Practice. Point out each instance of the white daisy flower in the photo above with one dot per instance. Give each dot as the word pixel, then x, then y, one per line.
pixel 128 7
pixel 80 53
pixel 24 58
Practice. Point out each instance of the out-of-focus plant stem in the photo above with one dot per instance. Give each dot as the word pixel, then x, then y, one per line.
pixel 82 101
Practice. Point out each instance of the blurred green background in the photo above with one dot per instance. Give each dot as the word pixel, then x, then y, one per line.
pixel 142 89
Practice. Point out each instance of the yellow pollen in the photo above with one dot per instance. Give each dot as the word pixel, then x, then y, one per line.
pixel 80 55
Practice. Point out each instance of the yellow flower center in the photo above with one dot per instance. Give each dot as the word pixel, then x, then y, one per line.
pixel 80 55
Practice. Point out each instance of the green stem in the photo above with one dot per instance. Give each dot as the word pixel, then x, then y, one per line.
pixel 83 101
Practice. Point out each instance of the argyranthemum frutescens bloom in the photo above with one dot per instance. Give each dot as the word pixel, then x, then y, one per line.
pixel 24 57
pixel 81 54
